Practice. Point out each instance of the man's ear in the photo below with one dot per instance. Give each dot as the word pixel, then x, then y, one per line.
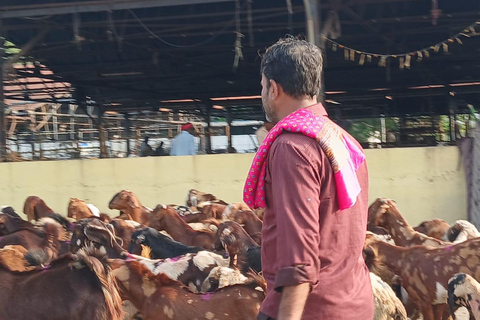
pixel 275 88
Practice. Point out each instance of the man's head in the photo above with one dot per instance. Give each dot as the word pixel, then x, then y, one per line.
pixel 146 139
pixel 189 128
pixel 291 70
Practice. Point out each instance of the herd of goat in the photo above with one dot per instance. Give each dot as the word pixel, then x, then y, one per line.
pixel 202 261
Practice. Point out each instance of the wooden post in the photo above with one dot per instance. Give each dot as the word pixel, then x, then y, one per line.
pixel 3 124
pixel 229 130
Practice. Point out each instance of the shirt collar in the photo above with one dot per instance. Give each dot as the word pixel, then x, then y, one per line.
pixel 318 109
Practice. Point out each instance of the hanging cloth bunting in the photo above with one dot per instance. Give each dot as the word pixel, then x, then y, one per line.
pixel 404 58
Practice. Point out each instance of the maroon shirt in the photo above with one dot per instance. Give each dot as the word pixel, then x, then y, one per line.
pixel 305 238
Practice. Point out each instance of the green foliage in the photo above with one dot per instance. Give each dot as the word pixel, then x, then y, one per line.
pixel 10 48
pixel 362 129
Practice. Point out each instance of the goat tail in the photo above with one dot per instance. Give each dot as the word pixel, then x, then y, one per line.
pixel 146 252
pixel 99 266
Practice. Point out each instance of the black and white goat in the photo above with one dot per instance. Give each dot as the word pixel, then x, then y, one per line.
pixel 464 292
pixel 244 252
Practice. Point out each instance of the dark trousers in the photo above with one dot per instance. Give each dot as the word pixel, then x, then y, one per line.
pixel 262 316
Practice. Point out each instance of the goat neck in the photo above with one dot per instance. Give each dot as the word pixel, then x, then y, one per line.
pixel 402 233
pixel 173 224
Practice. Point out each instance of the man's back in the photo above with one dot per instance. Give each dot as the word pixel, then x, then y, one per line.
pixel 183 145
pixel 145 149
pixel 323 247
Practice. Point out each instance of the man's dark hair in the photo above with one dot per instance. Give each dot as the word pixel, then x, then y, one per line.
pixel 294 64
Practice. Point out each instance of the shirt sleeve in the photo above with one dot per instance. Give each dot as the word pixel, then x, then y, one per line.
pixel 296 202
pixel 172 148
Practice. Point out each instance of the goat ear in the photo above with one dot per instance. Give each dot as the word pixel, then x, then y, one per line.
pixel 227 237
pixel 96 234
pixel 378 217
pixel 133 202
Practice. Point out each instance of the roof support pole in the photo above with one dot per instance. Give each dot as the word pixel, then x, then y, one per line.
pixel 208 134
pixel 3 124
pixel 102 133
pixel 313 22
pixel 229 130
pixel 127 132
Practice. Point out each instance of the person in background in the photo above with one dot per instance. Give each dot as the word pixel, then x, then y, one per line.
pixel 159 151
pixel 145 149
pixel 263 131
pixel 312 180
pixel 184 143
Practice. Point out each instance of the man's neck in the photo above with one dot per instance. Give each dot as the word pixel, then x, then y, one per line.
pixel 292 105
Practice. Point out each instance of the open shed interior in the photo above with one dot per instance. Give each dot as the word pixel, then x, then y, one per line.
pixel 397 72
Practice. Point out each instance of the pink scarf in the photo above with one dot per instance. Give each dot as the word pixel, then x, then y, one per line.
pixel 344 155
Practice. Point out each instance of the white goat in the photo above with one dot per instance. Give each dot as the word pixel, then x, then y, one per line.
pixel 220 277
pixel 461 231
pixel 387 305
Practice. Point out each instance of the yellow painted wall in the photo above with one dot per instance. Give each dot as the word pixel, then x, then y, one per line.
pixel 426 182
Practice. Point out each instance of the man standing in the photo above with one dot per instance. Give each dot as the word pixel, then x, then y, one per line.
pixel 145 149
pixel 311 178
pixel 184 143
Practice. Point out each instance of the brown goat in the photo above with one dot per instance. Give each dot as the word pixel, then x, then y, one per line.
pixel 72 288
pixel 195 197
pixel 237 242
pixel 13 258
pixel 50 240
pixel 35 208
pixel 250 222
pixel 124 230
pixel 259 212
pixel 384 213
pixel 212 209
pixel 425 271
pixel 235 207
pixel 10 224
pixel 206 211
pixel 435 228
pixel 160 298
pixel 166 218
pixel 79 209
pixel 94 232
pixel 130 207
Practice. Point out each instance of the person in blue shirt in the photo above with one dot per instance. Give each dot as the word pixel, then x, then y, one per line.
pixel 184 143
